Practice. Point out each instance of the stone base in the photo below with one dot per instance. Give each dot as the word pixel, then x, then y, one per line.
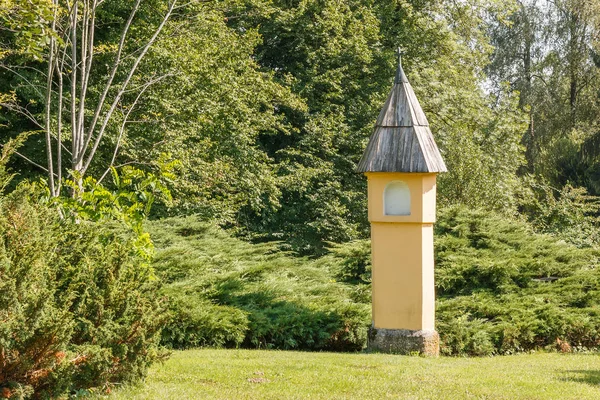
pixel 404 341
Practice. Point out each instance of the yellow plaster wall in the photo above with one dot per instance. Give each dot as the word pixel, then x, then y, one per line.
pixel 402 252
pixel 402 281
pixel 422 196
pixel 428 283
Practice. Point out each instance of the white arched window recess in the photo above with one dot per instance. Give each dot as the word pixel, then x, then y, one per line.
pixel 396 198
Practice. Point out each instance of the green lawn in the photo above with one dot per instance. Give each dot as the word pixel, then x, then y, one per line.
pixel 253 374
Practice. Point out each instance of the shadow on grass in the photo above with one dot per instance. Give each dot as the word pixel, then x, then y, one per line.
pixel 591 377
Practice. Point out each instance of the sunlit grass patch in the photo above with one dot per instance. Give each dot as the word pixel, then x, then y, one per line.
pixel 257 374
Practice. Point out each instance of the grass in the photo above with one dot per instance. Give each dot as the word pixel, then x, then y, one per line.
pixel 258 374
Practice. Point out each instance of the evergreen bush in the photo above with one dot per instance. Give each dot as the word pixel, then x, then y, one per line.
pixel 501 289
pixel 78 306
pixel 225 292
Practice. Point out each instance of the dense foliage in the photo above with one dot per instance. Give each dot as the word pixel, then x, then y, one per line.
pixel 267 106
pixel 504 289
pixel 501 289
pixel 224 292
pixel 78 304
pixel 549 55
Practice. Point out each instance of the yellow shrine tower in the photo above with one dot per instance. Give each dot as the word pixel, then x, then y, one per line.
pixel 401 163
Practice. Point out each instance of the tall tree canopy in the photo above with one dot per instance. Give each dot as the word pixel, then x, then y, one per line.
pixel 549 55
pixel 266 106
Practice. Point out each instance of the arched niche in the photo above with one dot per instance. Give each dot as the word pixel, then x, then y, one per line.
pixel 396 198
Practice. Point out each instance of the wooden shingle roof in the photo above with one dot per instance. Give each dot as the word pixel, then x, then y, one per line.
pixel 402 140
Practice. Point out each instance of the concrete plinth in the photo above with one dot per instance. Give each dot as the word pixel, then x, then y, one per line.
pixel 404 341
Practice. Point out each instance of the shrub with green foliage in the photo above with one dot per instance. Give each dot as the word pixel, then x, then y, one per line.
pixel 355 261
pixel 570 213
pixel 503 289
pixel 225 292
pixel 78 306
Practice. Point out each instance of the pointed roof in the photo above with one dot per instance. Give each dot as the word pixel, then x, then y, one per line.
pixel 402 140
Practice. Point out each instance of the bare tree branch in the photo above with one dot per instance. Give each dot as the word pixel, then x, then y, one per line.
pixel 124 87
pixel 23 111
pixel 59 68
pixel 126 121
pixel 74 125
pixel 68 78
pixel 33 86
pixel 32 162
pixel 47 126
pixel 82 72
pixel 113 72
pixel 29 67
